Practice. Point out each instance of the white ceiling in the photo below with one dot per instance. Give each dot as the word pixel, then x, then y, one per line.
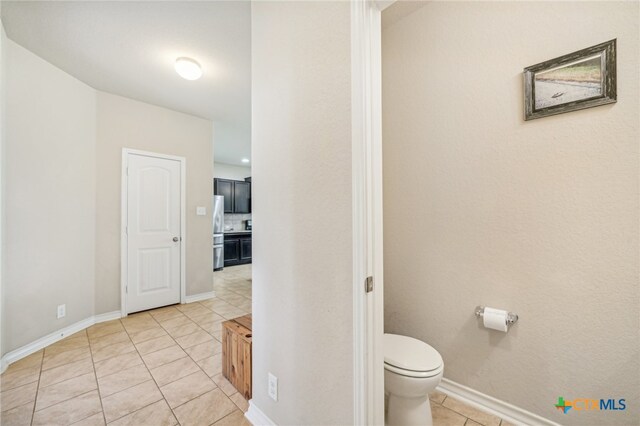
pixel 129 48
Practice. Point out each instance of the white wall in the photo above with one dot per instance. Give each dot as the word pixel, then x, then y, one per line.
pixel 301 151
pixel 125 123
pixel 49 197
pixel 540 217
pixel 229 171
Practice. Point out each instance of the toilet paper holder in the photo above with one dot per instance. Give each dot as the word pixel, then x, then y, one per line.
pixel 512 317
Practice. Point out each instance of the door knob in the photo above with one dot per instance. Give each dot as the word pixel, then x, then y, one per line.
pixel 176 239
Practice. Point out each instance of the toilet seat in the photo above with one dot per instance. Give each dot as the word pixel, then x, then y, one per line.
pixel 411 373
pixel 410 357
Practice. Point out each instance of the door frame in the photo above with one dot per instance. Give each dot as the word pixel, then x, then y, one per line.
pixel 124 260
pixel 367 207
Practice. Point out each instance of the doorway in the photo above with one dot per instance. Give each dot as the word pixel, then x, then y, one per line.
pixel 153 237
pixel 368 277
pixel 232 277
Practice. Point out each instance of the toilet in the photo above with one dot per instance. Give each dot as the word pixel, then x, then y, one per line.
pixel 412 370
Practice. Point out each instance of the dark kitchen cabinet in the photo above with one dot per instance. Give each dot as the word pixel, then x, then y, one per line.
pixel 231 251
pixel 242 197
pixel 245 250
pixel 225 188
pixel 237 249
pixel 236 193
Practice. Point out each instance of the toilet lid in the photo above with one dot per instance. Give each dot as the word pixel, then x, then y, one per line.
pixel 408 353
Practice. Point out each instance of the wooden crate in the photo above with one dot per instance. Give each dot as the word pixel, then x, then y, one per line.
pixel 236 353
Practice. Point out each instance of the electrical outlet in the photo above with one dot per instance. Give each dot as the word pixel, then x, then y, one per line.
pixel 273 387
pixel 62 311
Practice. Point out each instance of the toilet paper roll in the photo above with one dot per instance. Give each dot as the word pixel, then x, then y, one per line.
pixel 495 319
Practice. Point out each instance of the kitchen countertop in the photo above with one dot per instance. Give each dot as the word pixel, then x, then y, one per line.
pixel 241 232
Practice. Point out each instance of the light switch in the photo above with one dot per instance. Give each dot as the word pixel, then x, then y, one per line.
pixel 201 211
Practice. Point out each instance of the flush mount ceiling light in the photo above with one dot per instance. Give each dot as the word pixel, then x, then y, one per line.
pixel 188 69
pixel 245 160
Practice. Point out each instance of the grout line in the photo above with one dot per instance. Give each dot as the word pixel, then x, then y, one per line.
pixel 464 415
pixel 134 411
pixel 154 380
pixel 95 375
pixel 219 420
pixel 11 370
pixel 70 398
pixel 93 362
pixel 157 350
pixel 145 366
pixel 199 367
pixel 129 387
pixel 33 412
pixel 66 400
pixel 110 345
pixel 198 396
pixel 89 338
pixel 180 378
pixel 457 412
pixel 159 387
pixel 84 418
pixel 114 355
pixel 70 378
pixel 17 386
pixel 454 411
pixel 118 372
pixel 151 338
pixel 67 362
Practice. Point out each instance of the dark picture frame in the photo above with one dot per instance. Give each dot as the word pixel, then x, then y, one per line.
pixel 578 80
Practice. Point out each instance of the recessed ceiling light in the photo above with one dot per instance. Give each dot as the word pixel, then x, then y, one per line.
pixel 245 160
pixel 188 68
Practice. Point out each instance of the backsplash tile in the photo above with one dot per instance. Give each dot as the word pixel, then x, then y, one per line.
pixel 235 222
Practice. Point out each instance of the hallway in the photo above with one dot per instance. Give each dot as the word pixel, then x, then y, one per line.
pixel 156 367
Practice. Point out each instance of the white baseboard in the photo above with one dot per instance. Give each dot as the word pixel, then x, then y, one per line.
pixel 109 316
pixel 256 417
pixel 26 350
pixel 492 405
pixel 200 296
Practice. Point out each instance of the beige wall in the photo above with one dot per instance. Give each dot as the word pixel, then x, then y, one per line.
pixel 49 198
pixel 3 38
pixel 125 123
pixel 62 154
pixel 229 171
pixel 537 217
pixel 301 154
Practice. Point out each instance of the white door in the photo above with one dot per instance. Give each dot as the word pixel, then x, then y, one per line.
pixel 153 232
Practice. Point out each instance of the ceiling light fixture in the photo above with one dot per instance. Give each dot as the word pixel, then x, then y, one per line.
pixel 188 69
pixel 245 160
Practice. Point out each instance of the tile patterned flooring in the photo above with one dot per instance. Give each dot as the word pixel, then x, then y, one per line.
pixel 160 367
pixel 448 411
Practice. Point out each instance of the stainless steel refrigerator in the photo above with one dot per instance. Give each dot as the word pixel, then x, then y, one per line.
pixel 218 232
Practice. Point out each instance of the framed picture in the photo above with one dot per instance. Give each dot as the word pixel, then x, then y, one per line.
pixel 579 80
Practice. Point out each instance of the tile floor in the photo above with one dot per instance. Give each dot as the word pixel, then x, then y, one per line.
pixel 448 411
pixel 160 367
